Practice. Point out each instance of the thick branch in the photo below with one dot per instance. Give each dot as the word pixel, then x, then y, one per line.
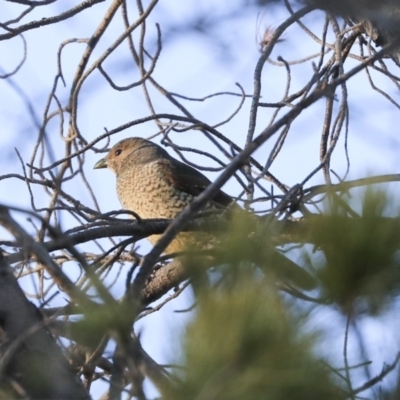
pixel 29 354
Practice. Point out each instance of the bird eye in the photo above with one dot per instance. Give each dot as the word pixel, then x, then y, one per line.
pixel 118 152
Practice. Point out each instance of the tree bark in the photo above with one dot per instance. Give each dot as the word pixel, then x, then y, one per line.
pixel 31 361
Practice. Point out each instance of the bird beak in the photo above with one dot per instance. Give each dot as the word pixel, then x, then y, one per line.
pixel 100 164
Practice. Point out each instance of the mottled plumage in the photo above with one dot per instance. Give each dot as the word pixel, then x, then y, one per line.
pixel 155 185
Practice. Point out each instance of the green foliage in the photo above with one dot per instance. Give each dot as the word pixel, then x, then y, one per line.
pixel 249 239
pixel 101 321
pixel 244 344
pixel 362 260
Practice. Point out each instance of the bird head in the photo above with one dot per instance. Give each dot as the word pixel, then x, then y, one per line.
pixel 140 150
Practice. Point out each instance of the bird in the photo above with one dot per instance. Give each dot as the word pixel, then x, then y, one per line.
pixel 153 184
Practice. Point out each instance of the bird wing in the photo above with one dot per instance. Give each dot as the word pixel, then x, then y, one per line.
pixel 189 180
pixel 183 177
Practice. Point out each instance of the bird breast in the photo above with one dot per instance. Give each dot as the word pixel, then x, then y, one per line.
pixel 145 190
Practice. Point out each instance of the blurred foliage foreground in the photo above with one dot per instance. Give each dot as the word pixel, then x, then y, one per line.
pixel 252 334
pixel 248 341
